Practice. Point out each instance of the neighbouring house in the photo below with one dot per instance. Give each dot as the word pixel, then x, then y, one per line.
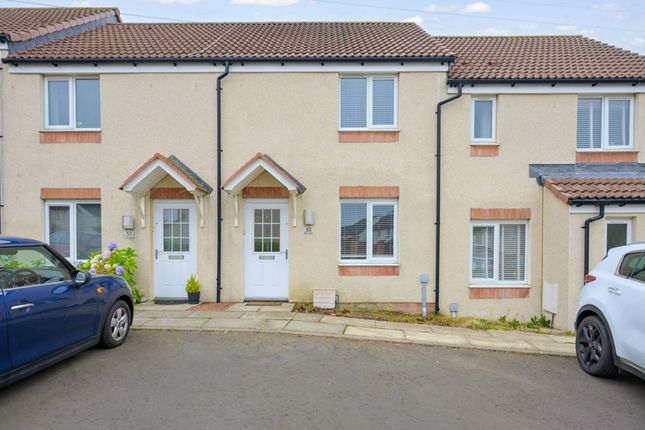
pixel 319 141
pixel 24 28
pixel 548 130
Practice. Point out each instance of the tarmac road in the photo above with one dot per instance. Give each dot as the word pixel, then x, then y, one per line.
pixel 201 380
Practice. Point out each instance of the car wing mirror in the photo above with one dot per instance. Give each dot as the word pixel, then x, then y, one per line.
pixel 81 277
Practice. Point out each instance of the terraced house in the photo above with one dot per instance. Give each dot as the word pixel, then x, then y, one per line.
pixel 275 159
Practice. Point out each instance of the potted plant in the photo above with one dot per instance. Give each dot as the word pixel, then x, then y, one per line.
pixel 193 287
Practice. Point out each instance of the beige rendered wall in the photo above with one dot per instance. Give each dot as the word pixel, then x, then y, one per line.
pixel 560 254
pixel 292 117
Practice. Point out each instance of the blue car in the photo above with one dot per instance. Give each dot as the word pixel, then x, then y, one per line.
pixel 50 311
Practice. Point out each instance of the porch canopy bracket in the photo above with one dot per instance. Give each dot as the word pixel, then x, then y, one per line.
pixel 253 168
pixel 139 184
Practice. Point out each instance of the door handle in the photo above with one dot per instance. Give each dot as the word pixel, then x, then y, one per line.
pixel 156 254
pixel 18 307
pixel 286 254
pixel 614 290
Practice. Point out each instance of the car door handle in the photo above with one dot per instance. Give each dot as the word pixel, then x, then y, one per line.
pixel 614 290
pixel 18 307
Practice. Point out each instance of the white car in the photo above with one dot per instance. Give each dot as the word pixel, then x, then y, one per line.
pixel 610 323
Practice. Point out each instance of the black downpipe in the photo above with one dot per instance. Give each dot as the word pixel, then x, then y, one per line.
pixel 219 181
pixel 601 214
pixel 437 224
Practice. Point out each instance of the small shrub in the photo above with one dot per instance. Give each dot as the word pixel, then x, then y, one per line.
pixel 539 322
pixel 193 285
pixel 114 261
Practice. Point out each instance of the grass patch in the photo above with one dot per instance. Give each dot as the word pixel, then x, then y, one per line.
pixel 537 324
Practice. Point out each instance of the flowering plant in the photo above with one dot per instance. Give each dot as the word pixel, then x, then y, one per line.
pixel 114 261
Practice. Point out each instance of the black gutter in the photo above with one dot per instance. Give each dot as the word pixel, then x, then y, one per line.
pixel 437 223
pixel 219 181
pixel 580 202
pixel 456 82
pixel 601 214
pixel 222 60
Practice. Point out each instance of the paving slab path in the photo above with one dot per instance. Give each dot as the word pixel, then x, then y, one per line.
pixel 280 318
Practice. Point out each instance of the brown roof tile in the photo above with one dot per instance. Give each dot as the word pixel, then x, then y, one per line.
pixel 20 24
pixel 575 190
pixel 248 41
pixel 540 58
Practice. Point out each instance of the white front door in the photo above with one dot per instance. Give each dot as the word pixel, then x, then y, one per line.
pixel 175 256
pixel 266 250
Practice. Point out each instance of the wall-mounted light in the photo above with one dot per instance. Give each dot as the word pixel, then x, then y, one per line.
pixel 127 222
pixel 308 216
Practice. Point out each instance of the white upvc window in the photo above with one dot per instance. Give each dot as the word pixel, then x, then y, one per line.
pixel 605 123
pixel 499 252
pixel 618 232
pixel 368 102
pixel 73 228
pixel 484 118
pixel 72 103
pixel 368 231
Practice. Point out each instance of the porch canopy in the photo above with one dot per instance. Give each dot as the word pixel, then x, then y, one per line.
pixel 595 191
pixel 154 170
pixel 251 170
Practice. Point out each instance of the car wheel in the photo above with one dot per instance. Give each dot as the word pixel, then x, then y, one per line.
pixel 117 325
pixel 594 349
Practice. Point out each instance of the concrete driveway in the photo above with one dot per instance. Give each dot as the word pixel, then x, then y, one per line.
pixel 200 380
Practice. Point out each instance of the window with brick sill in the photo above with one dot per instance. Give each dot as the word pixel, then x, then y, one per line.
pixel 498 252
pixel 604 123
pixel 368 232
pixel 368 103
pixel 73 228
pixel 72 103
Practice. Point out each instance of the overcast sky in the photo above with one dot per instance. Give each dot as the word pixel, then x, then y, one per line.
pixel 619 22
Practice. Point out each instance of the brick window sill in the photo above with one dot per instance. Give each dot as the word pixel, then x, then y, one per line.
pixel 499 291
pixel 70 136
pixel 484 150
pixel 368 136
pixel 622 156
pixel 368 270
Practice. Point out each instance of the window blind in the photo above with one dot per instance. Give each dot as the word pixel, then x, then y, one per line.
pixel 512 252
pixel 353 234
pixel 353 102
pixel 383 101
pixel 483 119
pixel 383 230
pixel 483 249
pixel 618 122
pixel 589 123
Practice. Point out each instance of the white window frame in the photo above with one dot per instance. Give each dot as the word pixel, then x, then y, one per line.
pixel 493 138
pixel 628 222
pixel 604 124
pixel 71 204
pixel 72 102
pixel 369 107
pixel 484 282
pixel 370 259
